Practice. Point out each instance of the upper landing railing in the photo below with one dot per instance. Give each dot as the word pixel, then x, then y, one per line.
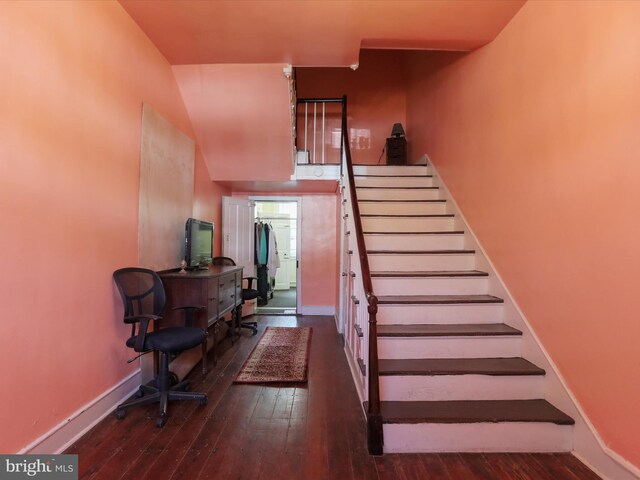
pixel 319 131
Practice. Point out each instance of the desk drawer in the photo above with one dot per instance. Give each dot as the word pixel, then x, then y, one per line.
pixel 227 300
pixel 227 293
pixel 212 300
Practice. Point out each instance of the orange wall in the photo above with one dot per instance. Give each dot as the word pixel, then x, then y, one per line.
pixel 537 136
pixel 74 76
pixel 376 99
pixel 319 257
pixel 207 200
pixel 240 115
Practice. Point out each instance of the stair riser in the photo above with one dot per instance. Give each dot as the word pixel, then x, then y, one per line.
pixel 402 208
pixel 439 314
pixel 397 194
pixel 397 182
pixel 411 242
pixel 461 387
pixel 409 224
pixel 430 286
pixel 477 437
pixel 412 263
pixel 391 170
pixel 449 347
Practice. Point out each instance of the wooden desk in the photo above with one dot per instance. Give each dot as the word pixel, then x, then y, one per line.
pixel 218 290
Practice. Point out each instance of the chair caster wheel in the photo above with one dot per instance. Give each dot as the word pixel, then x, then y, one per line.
pixel 186 388
pixel 139 393
pixel 120 414
pixel 173 379
pixel 204 401
pixel 161 422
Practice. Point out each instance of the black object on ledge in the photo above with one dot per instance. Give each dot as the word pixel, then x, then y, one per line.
pixel 396 146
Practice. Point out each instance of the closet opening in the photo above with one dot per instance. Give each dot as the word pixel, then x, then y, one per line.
pixel 277 248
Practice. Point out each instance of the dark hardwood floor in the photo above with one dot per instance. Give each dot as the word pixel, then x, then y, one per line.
pixel 282 431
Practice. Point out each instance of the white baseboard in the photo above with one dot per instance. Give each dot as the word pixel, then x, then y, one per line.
pixel 63 435
pixel 615 467
pixel 356 374
pixel 423 160
pixel 317 310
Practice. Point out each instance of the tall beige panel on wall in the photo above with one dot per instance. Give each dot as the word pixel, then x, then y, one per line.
pixel 167 159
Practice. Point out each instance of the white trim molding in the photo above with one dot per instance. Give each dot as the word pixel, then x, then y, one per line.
pixel 63 435
pixel 317 310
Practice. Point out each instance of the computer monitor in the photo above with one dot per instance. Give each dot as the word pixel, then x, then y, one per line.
pixel 198 246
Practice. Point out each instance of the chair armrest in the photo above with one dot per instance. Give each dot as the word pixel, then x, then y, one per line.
pixel 138 318
pixel 187 307
pixel 250 281
pixel 143 320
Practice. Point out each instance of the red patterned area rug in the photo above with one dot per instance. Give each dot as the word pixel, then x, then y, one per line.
pixel 281 355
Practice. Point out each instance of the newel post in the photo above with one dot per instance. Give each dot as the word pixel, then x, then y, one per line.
pixel 375 439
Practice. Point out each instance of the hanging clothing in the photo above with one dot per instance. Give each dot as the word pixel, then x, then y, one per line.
pixel 257 231
pixel 263 284
pixel 272 260
pixel 265 252
pixel 264 245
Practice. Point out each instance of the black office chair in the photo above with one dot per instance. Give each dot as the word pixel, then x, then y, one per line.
pixel 144 299
pixel 247 293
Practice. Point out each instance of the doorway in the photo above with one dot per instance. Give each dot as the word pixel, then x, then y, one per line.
pixel 277 224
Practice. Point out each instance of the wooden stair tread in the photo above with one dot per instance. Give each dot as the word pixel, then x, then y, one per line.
pixel 420 252
pixel 438 232
pixel 458 366
pixel 473 411
pixel 429 274
pixel 437 299
pixel 447 330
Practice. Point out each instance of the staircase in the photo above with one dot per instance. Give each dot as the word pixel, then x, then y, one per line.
pixel 452 377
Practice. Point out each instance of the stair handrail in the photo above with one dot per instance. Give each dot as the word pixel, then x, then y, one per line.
pixel 374 417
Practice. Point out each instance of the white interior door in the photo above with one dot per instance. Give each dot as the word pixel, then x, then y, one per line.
pixel 238 233
pixel 282 231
